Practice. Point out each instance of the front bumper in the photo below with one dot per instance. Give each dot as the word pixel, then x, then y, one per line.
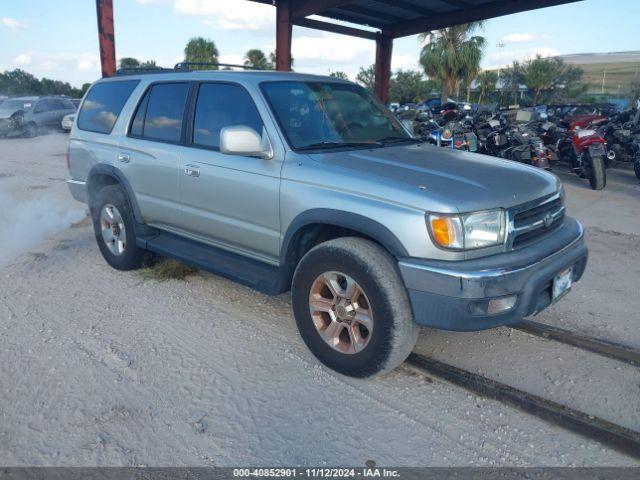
pixel 454 295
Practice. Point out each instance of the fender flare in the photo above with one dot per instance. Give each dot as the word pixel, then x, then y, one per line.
pixel 339 218
pixel 118 176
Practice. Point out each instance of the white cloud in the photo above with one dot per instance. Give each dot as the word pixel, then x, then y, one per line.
pixel 13 24
pixel 232 58
pixel 405 61
pixel 502 58
pixel 229 15
pixel 22 59
pixel 521 37
pixel 50 65
pixel 331 48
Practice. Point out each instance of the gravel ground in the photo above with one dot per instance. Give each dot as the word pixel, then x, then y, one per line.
pixel 100 367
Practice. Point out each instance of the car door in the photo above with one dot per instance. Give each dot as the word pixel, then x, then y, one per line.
pixel 150 154
pixel 42 113
pixel 229 200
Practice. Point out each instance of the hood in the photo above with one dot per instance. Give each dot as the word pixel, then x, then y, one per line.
pixel 462 180
pixel 7 112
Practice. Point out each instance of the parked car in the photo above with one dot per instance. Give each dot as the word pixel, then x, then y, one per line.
pixel 289 181
pixel 30 115
pixel 67 122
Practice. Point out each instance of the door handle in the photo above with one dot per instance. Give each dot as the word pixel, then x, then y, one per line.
pixel 192 171
pixel 124 157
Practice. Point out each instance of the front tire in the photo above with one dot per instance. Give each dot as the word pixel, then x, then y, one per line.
pixel 352 309
pixel 636 167
pixel 113 225
pixel 598 174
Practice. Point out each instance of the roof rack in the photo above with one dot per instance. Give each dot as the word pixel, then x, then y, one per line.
pixel 179 67
pixel 187 65
pixel 138 70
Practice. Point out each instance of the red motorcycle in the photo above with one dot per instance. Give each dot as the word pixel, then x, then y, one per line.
pixel 584 150
pixel 587 156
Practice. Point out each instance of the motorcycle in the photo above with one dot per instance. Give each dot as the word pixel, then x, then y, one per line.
pixel 454 133
pixel 622 135
pixel 585 151
pixel 526 147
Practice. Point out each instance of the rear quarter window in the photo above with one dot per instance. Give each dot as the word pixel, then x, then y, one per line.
pixel 103 104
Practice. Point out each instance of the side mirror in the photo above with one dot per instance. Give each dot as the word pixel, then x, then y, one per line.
pixel 245 141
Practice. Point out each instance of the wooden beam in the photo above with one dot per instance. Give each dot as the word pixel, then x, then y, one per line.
pixel 304 8
pixel 384 47
pixel 283 36
pixel 456 3
pixel 106 37
pixel 493 9
pixel 335 28
pixel 409 7
pixel 375 14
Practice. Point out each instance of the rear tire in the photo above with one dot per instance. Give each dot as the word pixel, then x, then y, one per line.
pixel 598 173
pixel 360 347
pixel 114 228
pixel 636 167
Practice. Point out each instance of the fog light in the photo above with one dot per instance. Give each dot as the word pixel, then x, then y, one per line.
pixel 502 304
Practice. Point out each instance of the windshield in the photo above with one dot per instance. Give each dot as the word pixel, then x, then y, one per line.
pixel 16 105
pixel 328 114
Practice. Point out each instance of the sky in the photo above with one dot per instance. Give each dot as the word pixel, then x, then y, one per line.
pixel 58 38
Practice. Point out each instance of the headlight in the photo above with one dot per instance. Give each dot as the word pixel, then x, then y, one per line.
pixel 468 231
pixel 447 134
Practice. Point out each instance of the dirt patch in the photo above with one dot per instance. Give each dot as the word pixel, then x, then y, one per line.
pixel 6 175
pixel 168 270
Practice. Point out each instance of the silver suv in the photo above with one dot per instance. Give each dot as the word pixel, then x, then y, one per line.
pixel 288 181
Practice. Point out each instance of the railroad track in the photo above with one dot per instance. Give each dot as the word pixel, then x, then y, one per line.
pixel 615 436
pixel 590 426
pixel 606 348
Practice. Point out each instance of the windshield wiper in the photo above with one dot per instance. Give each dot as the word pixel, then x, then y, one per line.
pixel 321 145
pixel 393 139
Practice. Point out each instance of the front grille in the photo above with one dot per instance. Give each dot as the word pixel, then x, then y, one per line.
pixel 531 223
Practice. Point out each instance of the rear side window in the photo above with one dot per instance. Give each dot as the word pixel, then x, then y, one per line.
pixel 103 104
pixel 159 114
pixel 222 105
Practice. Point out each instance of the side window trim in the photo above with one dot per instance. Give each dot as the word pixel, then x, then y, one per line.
pixel 147 92
pixel 192 111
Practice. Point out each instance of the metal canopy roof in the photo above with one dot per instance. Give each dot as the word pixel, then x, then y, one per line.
pixel 399 18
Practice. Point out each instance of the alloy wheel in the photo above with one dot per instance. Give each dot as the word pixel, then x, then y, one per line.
pixel 113 229
pixel 341 312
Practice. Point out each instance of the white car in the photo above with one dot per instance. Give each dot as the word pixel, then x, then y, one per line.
pixel 67 122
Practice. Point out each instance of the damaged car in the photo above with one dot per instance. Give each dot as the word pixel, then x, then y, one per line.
pixel 28 116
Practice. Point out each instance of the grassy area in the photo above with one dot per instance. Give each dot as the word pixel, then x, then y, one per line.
pixel 617 76
pixel 167 269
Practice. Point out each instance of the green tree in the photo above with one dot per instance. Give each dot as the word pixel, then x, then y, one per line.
pixel 256 58
pixel 201 50
pixel 149 64
pixel 452 55
pixel 408 86
pixel 129 62
pixel 366 76
pixel 539 75
pixel 272 59
pixel 340 75
pixel 551 79
pixel 511 79
pixel 486 81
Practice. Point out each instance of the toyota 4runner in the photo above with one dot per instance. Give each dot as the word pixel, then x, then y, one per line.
pixel 284 181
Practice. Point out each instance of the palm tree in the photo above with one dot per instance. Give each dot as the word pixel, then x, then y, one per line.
pixel 129 62
pixel 256 58
pixel 451 55
pixel 339 74
pixel 487 80
pixel 201 50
